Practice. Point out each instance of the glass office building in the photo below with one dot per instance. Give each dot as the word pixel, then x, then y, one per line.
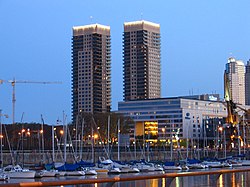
pixel 179 117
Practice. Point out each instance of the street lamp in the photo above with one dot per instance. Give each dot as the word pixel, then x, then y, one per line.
pixel 61 132
pixel 95 137
pixel 164 130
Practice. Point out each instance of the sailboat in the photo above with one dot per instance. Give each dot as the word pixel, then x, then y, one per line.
pixel 16 171
pixel 195 164
pixel 125 168
pixel 171 166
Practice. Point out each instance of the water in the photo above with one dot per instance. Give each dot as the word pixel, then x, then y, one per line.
pixel 231 179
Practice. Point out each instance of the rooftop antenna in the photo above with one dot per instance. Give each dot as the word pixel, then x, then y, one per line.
pixel 141 15
pixel 91 19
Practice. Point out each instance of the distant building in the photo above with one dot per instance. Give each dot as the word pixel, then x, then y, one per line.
pixel 247 82
pixel 141 60
pixel 91 69
pixel 235 72
pixel 204 97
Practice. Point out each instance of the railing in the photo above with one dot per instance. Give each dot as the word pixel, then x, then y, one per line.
pixel 111 180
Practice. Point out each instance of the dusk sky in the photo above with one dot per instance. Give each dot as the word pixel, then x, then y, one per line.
pixel 197 38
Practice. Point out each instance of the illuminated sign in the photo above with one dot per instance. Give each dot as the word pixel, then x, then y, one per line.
pixel 212 98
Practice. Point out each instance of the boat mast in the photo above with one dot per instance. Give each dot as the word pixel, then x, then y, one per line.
pixel 1 138
pixel 42 132
pixel 118 157
pixel 225 143
pixel 81 138
pixel 238 130
pixel 76 135
pixel 171 138
pixel 108 135
pixel 22 131
pixel 134 141
pixel 92 145
pixel 53 142
pixel 65 138
pixel 244 134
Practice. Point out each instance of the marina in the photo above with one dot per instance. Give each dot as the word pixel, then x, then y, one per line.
pixel 124 94
pixel 208 177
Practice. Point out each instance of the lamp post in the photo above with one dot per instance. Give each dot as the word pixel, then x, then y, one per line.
pixel 22 132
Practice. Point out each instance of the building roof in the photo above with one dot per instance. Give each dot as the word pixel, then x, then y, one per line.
pixel 90 29
pixel 141 25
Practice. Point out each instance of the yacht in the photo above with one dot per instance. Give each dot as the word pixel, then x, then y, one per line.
pixel 16 171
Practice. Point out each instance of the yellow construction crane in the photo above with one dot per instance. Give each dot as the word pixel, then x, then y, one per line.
pixel 232 115
pixel 13 83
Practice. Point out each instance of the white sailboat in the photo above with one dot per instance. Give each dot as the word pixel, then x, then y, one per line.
pixel 90 171
pixel 15 171
pixel 213 164
pixel 108 164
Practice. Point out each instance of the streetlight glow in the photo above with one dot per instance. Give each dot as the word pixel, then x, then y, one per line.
pixel 61 132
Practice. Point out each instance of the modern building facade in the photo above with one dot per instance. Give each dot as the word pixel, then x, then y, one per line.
pixel 141 60
pixel 235 73
pixel 247 83
pixel 178 117
pixel 91 69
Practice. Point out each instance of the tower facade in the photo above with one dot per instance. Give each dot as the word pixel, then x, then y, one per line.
pixel 247 82
pixel 235 73
pixel 91 69
pixel 141 60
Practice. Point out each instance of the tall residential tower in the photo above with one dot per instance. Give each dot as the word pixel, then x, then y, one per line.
pixel 91 69
pixel 141 60
pixel 247 82
pixel 235 73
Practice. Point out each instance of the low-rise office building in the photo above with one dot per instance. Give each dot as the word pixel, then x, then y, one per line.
pixel 178 118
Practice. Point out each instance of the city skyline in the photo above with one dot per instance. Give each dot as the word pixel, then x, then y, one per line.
pixel 196 37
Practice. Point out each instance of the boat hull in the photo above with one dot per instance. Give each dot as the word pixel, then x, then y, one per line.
pixel 22 175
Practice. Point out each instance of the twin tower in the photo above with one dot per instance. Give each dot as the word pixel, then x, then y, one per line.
pixel 91 65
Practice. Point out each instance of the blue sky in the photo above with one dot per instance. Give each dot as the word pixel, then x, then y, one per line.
pixel 197 38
